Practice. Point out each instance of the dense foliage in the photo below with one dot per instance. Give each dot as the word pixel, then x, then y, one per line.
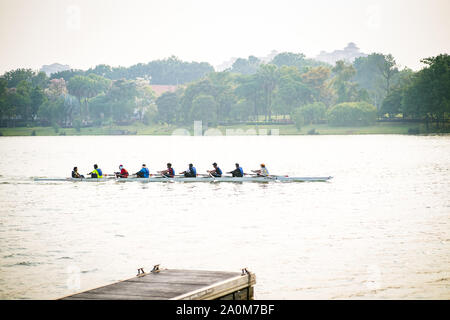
pixel 352 113
pixel 288 88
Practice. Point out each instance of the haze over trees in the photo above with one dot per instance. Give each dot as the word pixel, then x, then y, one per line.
pixel 289 88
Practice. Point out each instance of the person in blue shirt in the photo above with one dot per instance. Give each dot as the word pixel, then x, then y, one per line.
pixel 238 172
pixel 191 172
pixel 143 173
pixel 217 172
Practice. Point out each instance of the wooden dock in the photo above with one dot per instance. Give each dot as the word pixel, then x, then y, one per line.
pixel 173 284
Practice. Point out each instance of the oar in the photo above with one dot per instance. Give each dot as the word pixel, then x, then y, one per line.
pixel 119 176
pixel 160 174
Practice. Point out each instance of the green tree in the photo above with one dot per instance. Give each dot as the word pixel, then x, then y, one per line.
pixel 317 81
pixel 145 101
pixel 241 110
pixel 392 104
pixel 77 86
pixel 297 60
pixel 428 95
pixel 248 87
pixel 346 90
pixel 85 88
pixel 268 77
pixel 40 80
pixel 67 74
pixel 168 106
pixel 292 91
pixel 3 99
pixel 52 111
pixel 37 97
pixel 376 73
pixel 223 93
pixel 246 66
pixel 14 77
pixel 23 99
pixel 204 109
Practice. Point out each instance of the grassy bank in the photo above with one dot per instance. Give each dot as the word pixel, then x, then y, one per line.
pixel 140 129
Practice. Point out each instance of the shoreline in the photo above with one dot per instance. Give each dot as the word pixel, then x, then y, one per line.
pixel 229 130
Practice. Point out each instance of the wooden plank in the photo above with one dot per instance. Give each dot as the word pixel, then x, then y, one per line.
pixel 181 279
pixel 167 290
pixel 112 297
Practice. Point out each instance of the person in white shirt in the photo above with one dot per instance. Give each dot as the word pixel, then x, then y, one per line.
pixel 262 172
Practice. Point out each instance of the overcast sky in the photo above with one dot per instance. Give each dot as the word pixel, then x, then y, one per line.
pixel 84 33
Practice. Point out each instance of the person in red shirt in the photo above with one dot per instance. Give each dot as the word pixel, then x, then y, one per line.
pixel 123 172
pixel 169 172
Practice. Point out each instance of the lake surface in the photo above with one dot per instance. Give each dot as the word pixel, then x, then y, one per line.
pixel 380 229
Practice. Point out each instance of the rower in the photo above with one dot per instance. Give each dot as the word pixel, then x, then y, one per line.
pixel 76 174
pixel 238 172
pixel 143 173
pixel 217 172
pixel 263 172
pixel 96 173
pixel 123 172
pixel 191 172
pixel 169 172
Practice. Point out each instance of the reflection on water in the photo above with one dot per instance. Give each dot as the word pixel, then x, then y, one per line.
pixel 379 229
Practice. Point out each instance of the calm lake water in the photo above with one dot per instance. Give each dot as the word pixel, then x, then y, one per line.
pixel 380 229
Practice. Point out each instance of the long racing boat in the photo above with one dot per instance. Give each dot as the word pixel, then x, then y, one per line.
pixel 198 179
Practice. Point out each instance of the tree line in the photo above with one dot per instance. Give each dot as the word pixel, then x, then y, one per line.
pixel 288 88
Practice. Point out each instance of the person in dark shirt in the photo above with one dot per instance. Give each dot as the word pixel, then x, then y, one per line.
pixel 76 174
pixel 191 172
pixel 217 172
pixel 238 172
pixel 169 172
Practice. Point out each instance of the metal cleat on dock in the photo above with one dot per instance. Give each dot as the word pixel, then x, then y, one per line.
pixel 141 272
pixel 155 269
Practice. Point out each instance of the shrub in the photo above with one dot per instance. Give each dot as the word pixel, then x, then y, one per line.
pixel 313 112
pixel 413 131
pixel 352 114
pixel 33 133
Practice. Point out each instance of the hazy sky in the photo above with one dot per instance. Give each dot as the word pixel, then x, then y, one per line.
pixel 84 33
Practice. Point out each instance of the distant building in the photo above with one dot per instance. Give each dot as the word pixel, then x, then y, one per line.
pixel 54 68
pixel 349 54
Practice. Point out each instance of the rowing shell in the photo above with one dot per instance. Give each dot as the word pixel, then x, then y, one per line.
pixel 198 179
